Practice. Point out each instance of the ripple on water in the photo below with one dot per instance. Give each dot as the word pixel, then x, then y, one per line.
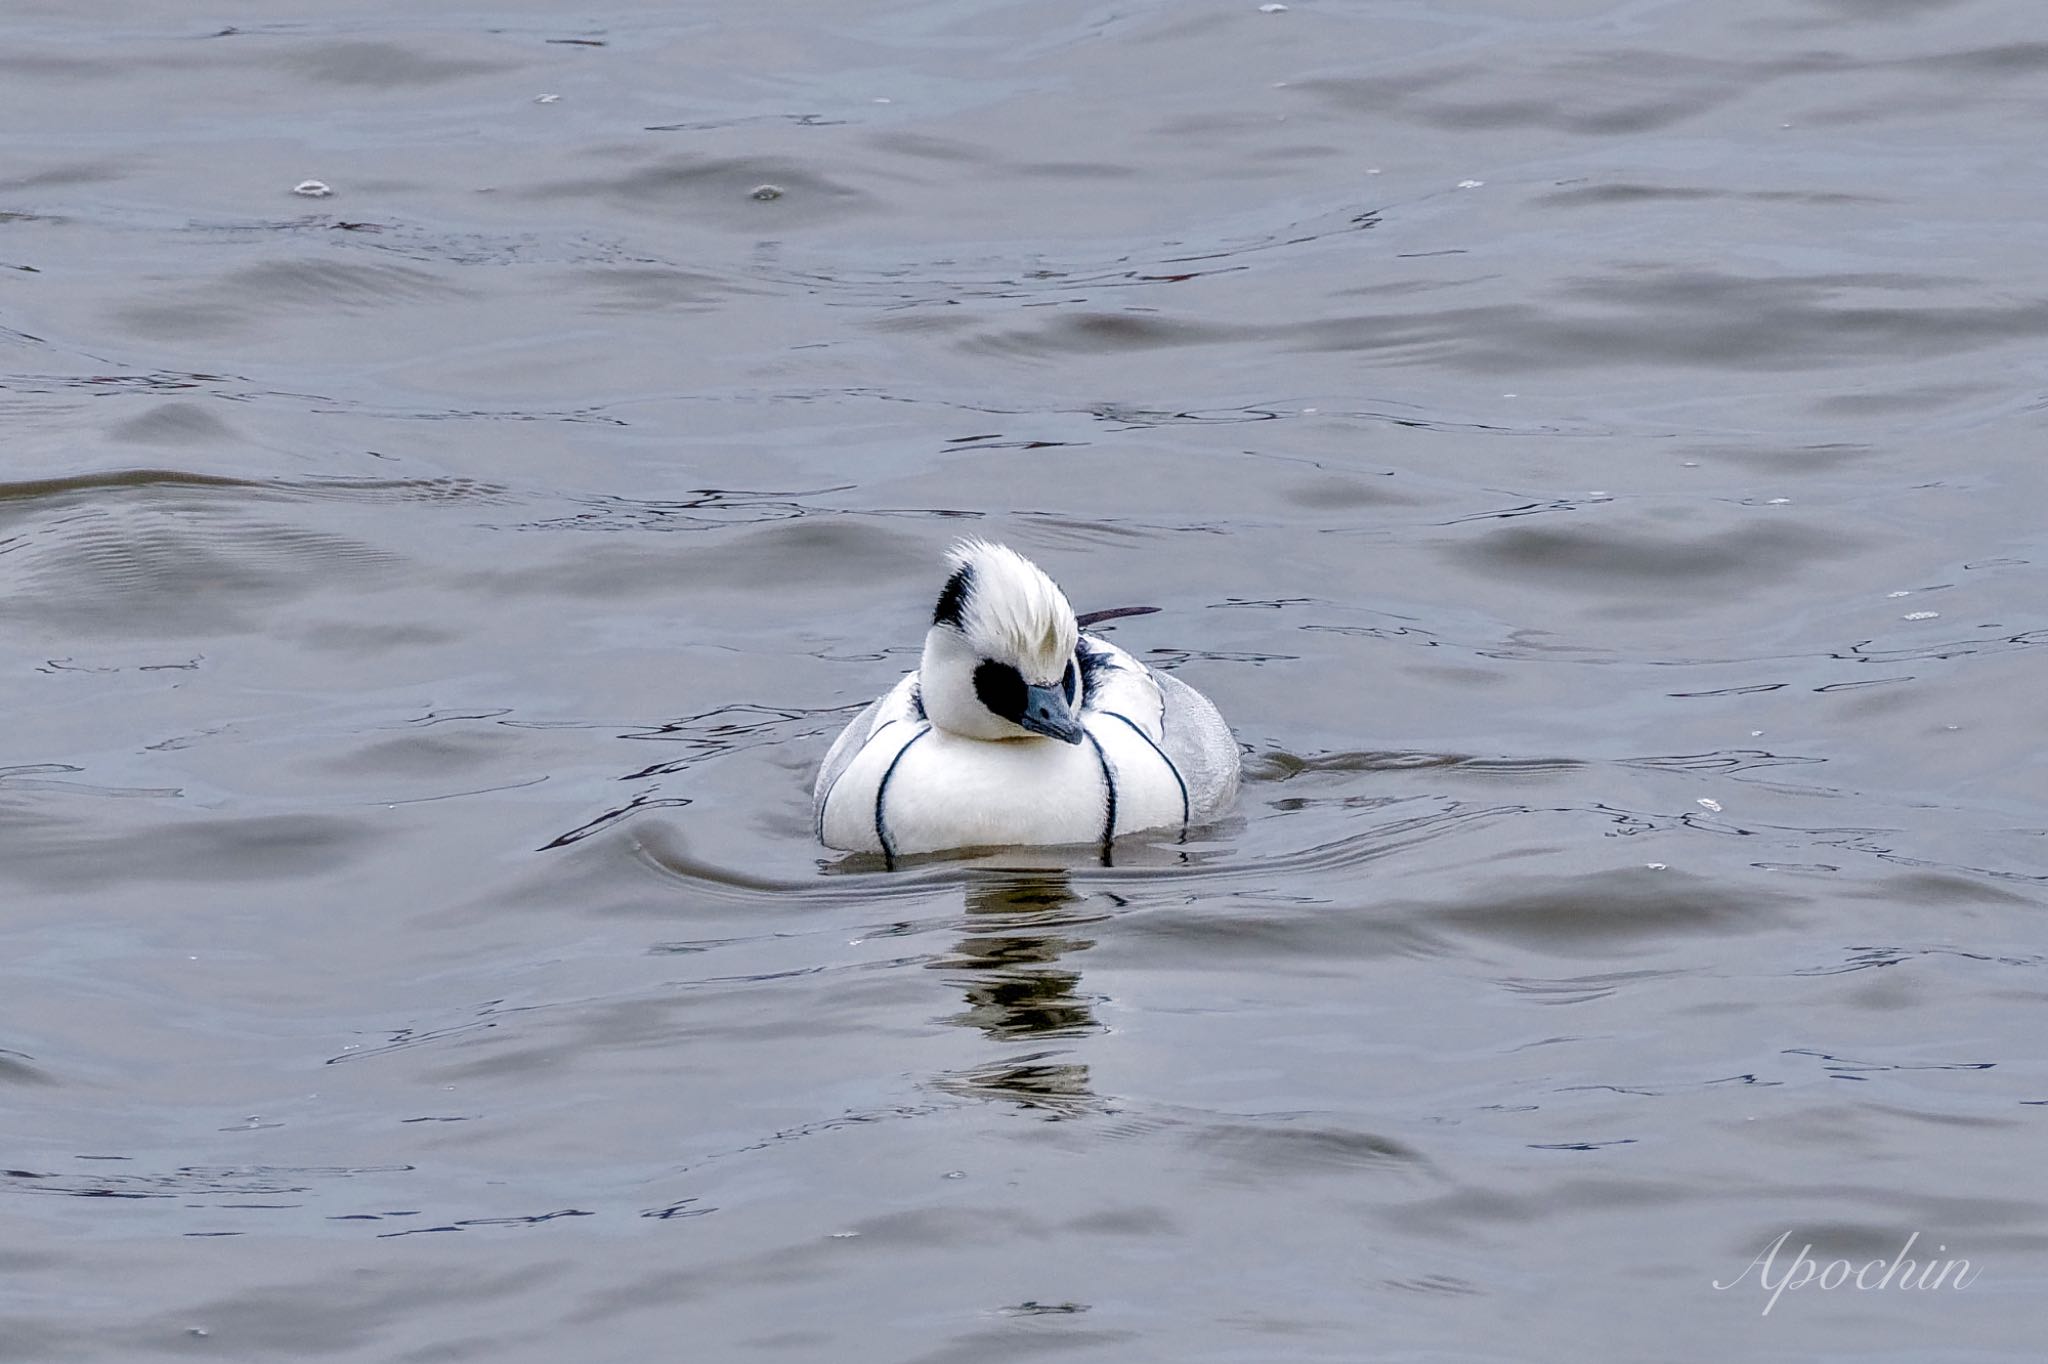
pixel 19 1068
pixel 236 302
pixel 377 65
pixel 177 423
pixel 719 191
pixel 172 565
pixel 1281 1146
pixel 53 853
pixel 1635 561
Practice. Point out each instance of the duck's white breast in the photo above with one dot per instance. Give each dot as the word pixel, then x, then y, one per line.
pixel 954 792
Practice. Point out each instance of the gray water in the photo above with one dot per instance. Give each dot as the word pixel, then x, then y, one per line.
pixel 1590 451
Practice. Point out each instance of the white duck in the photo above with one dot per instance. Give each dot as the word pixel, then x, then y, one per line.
pixel 1019 729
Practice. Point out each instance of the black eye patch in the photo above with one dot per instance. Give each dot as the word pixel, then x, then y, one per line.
pixel 1069 681
pixel 1001 689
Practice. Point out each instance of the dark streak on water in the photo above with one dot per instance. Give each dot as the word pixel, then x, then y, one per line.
pixel 1591 451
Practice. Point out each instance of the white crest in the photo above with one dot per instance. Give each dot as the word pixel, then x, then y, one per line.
pixel 1010 610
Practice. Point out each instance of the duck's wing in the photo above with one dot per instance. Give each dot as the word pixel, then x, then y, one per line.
pixel 900 702
pixel 1199 745
pixel 1180 722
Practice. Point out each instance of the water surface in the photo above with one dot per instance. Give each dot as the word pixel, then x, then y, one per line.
pixel 1589 451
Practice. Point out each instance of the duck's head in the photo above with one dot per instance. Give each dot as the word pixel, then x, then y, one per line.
pixel 999 658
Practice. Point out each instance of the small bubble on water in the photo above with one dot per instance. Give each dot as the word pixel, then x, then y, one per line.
pixel 1470 184
pixel 844 1235
pixel 1689 464
pixel 765 192
pixel 1756 734
pixel 1272 9
pixel 1654 866
pixel 955 1174
pixel 1898 594
pixel 312 189
pixel 881 99
pixel 1308 411
pixel 1777 501
pixel 1372 170
pixel 547 99
pixel 1920 615
pixel 197 1331
pixel 1709 803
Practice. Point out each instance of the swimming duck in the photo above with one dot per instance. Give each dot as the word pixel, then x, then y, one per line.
pixel 1017 728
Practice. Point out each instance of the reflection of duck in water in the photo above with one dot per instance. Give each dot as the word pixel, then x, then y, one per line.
pixel 1012 965
pixel 1022 991
pixel 1019 729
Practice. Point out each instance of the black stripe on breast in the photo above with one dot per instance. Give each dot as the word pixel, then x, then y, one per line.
pixel 1178 780
pixel 882 793
pixel 1108 796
